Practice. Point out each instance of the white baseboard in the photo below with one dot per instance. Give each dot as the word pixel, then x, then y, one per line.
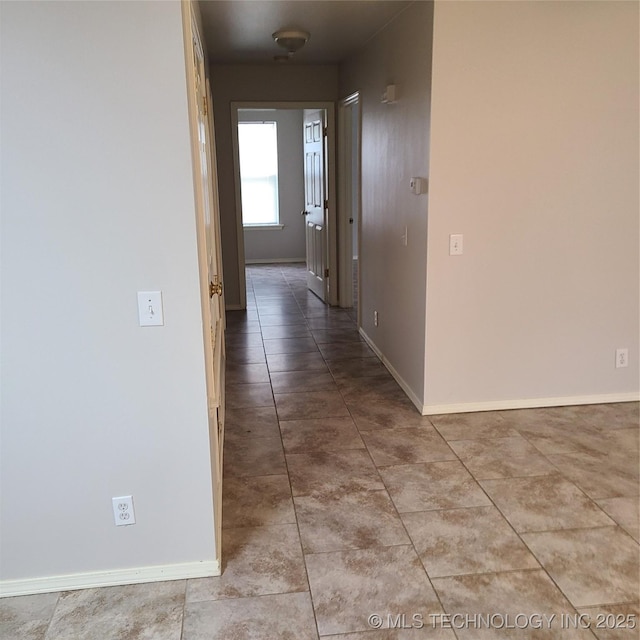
pixel 528 403
pixel 274 260
pixel 497 405
pixel 398 378
pixel 95 579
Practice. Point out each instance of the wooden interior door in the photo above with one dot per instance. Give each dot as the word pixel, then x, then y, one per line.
pixel 315 210
pixel 210 260
pixel 217 309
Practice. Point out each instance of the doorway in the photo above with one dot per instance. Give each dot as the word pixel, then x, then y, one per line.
pixel 292 233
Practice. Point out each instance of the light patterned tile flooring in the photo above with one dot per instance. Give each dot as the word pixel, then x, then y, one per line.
pixel 341 502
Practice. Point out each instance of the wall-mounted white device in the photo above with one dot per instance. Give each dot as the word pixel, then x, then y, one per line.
pixel 418 185
pixel 622 358
pixel 456 247
pixel 150 308
pixel 123 512
pixel 389 95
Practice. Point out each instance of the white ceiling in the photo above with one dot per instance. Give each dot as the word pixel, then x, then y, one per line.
pixel 239 31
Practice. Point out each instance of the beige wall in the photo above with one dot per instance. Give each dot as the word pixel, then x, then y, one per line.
pixel 97 204
pixel 395 147
pixel 249 83
pixel 534 158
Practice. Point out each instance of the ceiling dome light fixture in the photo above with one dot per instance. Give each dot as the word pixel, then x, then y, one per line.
pixel 291 39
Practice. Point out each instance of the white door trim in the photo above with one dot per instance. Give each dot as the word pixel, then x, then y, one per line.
pixel 332 232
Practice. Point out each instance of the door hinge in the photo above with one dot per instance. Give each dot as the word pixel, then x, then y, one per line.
pixel 205 108
pixel 326 273
pixel 324 131
pixel 326 204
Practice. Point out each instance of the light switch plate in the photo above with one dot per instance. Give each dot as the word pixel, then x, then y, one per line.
pixel 150 312
pixel 455 244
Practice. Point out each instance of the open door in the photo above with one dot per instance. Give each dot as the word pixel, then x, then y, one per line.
pixel 349 210
pixel 316 204
pixel 216 394
pixel 209 261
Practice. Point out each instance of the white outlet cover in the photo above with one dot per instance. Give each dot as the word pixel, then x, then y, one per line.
pixel 622 358
pixel 123 512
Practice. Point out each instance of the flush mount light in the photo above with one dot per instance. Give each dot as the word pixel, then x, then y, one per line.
pixel 291 40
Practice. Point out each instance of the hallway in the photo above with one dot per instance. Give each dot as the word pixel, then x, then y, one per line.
pixel 341 501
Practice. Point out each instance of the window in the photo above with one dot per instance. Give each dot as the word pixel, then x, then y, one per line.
pixel 258 148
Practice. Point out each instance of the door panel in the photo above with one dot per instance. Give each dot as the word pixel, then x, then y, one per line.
pixel 315 194
pixel 217 301
pixel 210 265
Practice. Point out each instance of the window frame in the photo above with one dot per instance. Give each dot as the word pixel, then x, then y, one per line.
pixel 274 178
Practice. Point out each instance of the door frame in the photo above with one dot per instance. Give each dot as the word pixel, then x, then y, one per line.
pixel 349 106
pixel 330 180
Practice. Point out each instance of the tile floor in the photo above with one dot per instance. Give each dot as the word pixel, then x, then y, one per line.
pixel 342 502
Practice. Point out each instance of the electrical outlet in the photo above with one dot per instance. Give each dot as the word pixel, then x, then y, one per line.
pixel 123 512
pixel 622 358
pixel 375 318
